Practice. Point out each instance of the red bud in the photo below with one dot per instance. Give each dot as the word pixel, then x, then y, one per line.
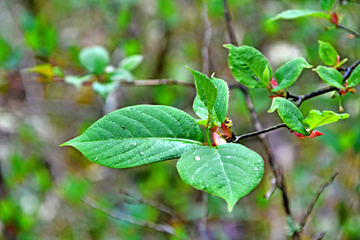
pixel 334 18
pixel 273 83
pixel 312 135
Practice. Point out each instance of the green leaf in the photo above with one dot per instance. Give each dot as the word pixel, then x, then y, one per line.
pixel 103 89
pixel 138 135
pixel 317 118
pixel 77 81
pixel 354 78
pixel 220 106
pixel 120 75
pixel 292 14
pixel 290 114
pixel 205 89
pixel 131 62
pixel 249 66
pixel 327 5
pixel 327 53
pixel 94 59
pixel 289 72
pixel 229 171
pixel 330 76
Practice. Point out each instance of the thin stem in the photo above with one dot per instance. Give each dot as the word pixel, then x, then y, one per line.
pixel 208 137
pixel 229 24
pixel 165 228
pixel 238 138
pixel 315 199
pixel 348 30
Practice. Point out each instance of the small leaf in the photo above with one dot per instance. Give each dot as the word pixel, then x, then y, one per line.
pixel 330 76
pixel 249 66
pixel 317 118
pixel 354 78
pixel 77 81
pixel 290 114
pixel 292 14
pixel 327 5
pixel 220 106
pixel 205 89
pixel 103 89
pixel 131 62
pixel 328 54
pixel 94 59
pixel 229 171
pixel 120 75
pixel 289 72
pixel 138 135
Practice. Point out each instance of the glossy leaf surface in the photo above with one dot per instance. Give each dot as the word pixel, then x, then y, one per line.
pixel 292 14
pixel 327 53
pixel 221 102
pixel 138 135
pixel 330 76
pixel 229 171
pixel 249 66
pixel 290 114
pixel 327 5
pixel 205 89
pixel 289 72
pixel 317 118
pixel 354 78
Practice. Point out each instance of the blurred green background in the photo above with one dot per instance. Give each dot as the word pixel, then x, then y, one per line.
pixel 43 186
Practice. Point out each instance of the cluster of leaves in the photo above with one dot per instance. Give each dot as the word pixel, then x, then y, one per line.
pixel 102 76
pixel 145 134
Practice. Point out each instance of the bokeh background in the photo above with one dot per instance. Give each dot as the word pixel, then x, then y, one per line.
pixel 45 190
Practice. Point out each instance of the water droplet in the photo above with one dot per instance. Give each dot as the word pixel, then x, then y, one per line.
pixel 132 108
pixel 95 159
pixel 197 158
pixel 228 157
pixel 134 144
pixel 141 152
pixel 95 149
pixel 256 168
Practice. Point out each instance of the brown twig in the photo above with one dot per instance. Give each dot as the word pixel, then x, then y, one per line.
pixel 348 30
pixel 165 228
pixel 315 199
pixel 238 138
pixel 278 174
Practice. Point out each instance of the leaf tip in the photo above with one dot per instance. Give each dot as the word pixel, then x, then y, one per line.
pixel 228 46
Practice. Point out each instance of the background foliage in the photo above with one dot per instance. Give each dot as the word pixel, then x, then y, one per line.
pixel 43 187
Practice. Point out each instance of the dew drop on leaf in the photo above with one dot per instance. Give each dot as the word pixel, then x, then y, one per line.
pixel 141 153
pixel 134 144
pixel 197 158
pixel 228 157
pixel 256 168
pixel 95 149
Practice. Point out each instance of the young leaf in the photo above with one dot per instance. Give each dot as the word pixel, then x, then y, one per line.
pixel 330 76
pixel 249 66
pixel 121 74
pixel 289 72
pixel 131 62
pixel 317 118
pixel 290 114
pixel 94 59
pixel 354 78
pixel 78 81
pixel 205 89
pixel 292 14
pixel 103 89
pixel 221 102
pixel 229 171
pixel 327 5
pixel 138 135
pixel 327 53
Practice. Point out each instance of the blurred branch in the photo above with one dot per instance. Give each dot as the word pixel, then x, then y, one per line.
pixel 348 30
pixel 320 236
pixel 277 171
pixel 315 199
pixel 165 228
pixel 206 41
